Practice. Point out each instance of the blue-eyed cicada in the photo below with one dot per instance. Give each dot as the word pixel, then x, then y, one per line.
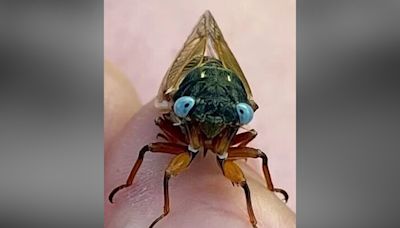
pixel 204 99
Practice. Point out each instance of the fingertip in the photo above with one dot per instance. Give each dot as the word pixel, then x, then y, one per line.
pixel 120 101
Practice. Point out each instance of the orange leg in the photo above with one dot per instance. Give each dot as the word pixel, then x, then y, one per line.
pixel 176 166
pixel 171 132
pixel 233 172
pixel 160 147
pixel 243 138
pixel 248 152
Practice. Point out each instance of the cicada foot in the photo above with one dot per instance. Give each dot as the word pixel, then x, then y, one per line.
pixel 113 192
pixel 159 147
pixel 248 152
pixel 283 192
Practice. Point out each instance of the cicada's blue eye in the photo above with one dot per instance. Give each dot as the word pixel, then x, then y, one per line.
pixel 245 113
pixel 183 106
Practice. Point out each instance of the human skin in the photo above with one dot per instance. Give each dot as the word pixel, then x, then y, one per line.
pixel 120 102
pixel 200 196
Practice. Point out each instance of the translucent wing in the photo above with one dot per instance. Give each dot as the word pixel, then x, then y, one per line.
pixel 206 39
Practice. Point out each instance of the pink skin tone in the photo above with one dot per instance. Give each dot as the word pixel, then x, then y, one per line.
pixel 142 38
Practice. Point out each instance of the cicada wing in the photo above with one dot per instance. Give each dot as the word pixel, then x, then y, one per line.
pixel 225 55
pixel 205 39
pixel 190 56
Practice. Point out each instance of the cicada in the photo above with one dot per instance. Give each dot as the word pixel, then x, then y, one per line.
pixel 204 99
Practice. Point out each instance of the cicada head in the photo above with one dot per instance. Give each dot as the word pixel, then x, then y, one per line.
pixel 212 97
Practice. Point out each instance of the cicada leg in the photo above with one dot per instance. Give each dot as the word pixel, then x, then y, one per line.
pixel 244 138
pixel 160 147
pixel 171 132
pixel 177 165
pixel 248 152
pixel 160 135
pixel 233 172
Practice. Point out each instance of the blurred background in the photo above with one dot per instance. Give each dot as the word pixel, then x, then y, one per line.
pixel 51 115
pixel 348 113
pixel 51 96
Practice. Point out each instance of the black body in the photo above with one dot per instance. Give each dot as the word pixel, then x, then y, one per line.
pixel 216 90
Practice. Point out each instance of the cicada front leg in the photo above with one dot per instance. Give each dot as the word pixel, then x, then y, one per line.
pixel 178 164
pixel 233 172
pixel 248 152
